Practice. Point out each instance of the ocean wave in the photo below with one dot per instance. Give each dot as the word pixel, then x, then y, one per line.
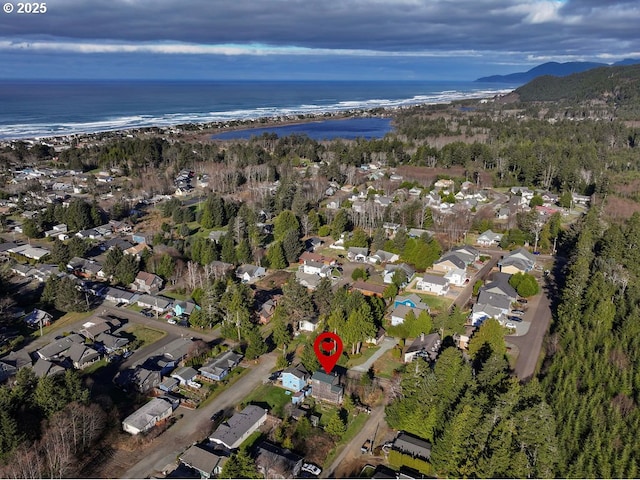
pixel 131 122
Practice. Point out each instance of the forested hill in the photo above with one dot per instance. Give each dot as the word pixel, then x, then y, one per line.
pixel 618 86
pixel 549 68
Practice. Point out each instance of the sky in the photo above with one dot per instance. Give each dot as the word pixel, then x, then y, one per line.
pixel 311 39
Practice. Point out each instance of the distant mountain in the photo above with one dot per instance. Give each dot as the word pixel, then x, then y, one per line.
pixel 616 86
pixel 551 68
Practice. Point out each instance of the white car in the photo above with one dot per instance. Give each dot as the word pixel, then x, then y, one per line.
pixel 172 321
pixel 311 468
pixel 510 325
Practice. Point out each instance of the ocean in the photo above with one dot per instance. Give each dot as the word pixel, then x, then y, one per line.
pixel 36 109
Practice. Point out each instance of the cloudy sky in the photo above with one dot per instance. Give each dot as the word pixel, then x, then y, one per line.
pixel 311 39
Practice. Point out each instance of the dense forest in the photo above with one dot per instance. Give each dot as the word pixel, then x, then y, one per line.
pixel 591 374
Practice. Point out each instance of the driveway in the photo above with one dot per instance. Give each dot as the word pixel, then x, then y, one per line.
pixel 387 344
pixel 530 344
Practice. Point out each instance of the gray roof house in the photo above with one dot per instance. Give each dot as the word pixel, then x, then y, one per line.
pixel 82 356
pixel 219 367
pixel 147 416
pixel 276 462
pixel 235 430
pixel 414 446
pixel 58 347
pixel 184 374
pixel 248 273
pixel 199 458
pixel 426 346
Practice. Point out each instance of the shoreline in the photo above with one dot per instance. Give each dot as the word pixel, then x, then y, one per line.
pixel 204 130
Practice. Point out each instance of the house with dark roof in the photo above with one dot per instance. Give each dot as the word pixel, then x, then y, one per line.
pixel 277 462
pixel 413 446
pixel 390 270
pixel 38 318
pixel 448 262
pixel 141 378
pixel 206 462
pixel 82 355
pixel 425 346
pixel 219 367
pixel 43 368
pixel 518 261
pixel 235 430
pixel 249 273
pixel 57 348
pixel 326 387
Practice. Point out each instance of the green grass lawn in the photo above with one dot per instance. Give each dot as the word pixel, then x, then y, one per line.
pixel 275 397
pixel 386 365
pixel 217 388
pixel 175 295
pixel 145 335
pixel 436 303
pixel 66 320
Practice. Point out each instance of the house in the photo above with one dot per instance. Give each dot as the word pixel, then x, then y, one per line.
pixel 313 243
pixel 326 387
pixel 308 325
pixel 276 462
pixel 82 356
pixel 118 295
pixel 90 233
pixel 235 430
pixel 7 370
pixel 457 277
pixel 444 184
pixel 482 311
pixel 99 324
pixel 433 284
pixel 23 270
pixel 413 446
pixel 311 256
pixel 43 368
pixel 38 318
pixel 496 300
pixel 412 300
pixel 157 303
pixel 518 261
pixel 42 272
pixel 147 416
pixel 369 289
pixel 357 254
pixel 295 378
pixel 205 462
pixel 466 253
pixel 381 256
pixel 489 238
pixel 400 312
pixel 137 250
pixel 218 368
pixel 141 378
pixel 500 285
pixel 249 273
pixel 266 310
pixel 425 346
pixel 184 308
pixel 216 235
pixel 184 375
pixel 111 343
pixel 57 348
pixel 390 270
pixel 310 267
pixel 448 262
pixel 148 283
pixel 34 253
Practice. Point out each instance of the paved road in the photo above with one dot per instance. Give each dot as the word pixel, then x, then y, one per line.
pixel 352 449
pixel 465 295
pixel 195 425
pixel 529 345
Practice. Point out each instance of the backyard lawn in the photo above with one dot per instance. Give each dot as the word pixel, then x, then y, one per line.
pixel 275 397
pixel 145 335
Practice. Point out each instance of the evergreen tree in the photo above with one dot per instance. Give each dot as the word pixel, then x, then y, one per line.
pixel 335 425
pixel 240 465
pixel 127 269
pixel 256 345
pixel 276 256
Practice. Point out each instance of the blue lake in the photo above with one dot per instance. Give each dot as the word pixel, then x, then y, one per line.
pixel 348 128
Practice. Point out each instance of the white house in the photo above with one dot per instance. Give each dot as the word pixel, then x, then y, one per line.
pixel 457 277
pixel 433 284
pixel 489 238
pixel 147 416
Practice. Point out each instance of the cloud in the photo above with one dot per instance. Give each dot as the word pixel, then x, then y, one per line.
pixel 505 30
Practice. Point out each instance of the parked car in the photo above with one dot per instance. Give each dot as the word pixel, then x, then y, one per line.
pixel 513 318
pixel 311 468
pixel 510 325
pixel 172 321
pixel 365 446
pixel 517 312
pixel 217 416
pixel 127 354
pixel 147 313
pixel 523 301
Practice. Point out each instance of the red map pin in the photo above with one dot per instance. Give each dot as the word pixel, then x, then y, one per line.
pixel 328 348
